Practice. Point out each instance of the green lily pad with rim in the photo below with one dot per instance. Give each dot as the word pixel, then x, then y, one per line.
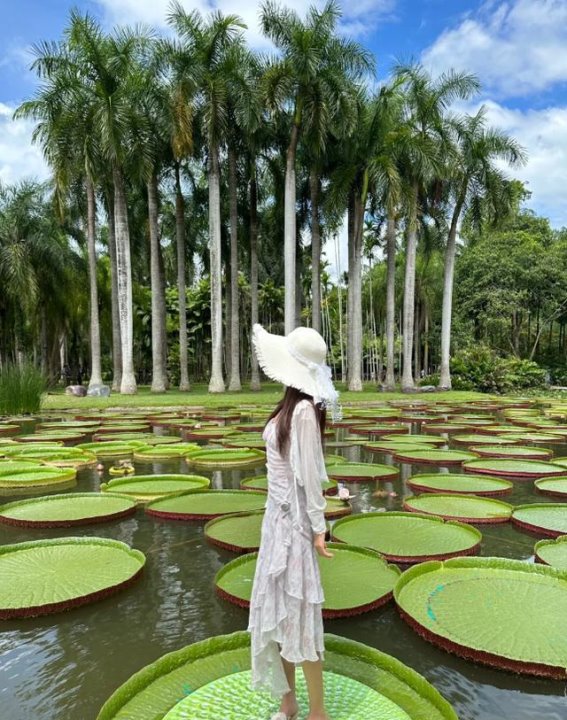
pixel 456 484
pixel 66 510
pixel 54 455
pixel 512 451
pixel 389 447
pixel 362 472
pixel 552 552
pixel 139 438
pixel 8 429
pixel 112 448
pixel 145 488
pixel 428 440
pixel 464 508
pixel 158 688
pixel 36 478
pixel 406 537
pixel 47 576
pixel 443 428
pixel 380 430
pixel 51 436
pixel 225 457
pixel 164 452
pixel 260 482
pixel 545 519
pixel 442 458
pixel 521 469
pixel 238 532
pixel 206 504
pixel 210 433
pixel 535 437
pixel 482 439
pixel 459 604
pixel 555 487
pixel 560 461
pixel 355 580
pixel 244 440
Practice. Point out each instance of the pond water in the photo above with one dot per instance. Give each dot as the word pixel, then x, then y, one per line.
pixel 64 666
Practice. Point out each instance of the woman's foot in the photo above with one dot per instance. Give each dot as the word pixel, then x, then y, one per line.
pixel 317 716
pixel 289 706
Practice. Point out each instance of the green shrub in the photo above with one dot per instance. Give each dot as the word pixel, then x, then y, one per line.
pixel 21 389
pixel 477 368
pixel 480 368
pixel 430 380
pixel 522 374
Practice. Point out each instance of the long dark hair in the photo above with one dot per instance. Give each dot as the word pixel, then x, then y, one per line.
pixel 284 410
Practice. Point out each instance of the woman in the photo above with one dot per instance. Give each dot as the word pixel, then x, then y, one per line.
pixel 286 623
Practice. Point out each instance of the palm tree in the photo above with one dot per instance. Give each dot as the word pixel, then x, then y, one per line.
pixel 103 65
pixel 70 145
pixel 473 178
pixel 208 44
pixel 423 148
pixel 305 83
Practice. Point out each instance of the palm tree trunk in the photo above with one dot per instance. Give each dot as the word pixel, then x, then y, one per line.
pixel 355 290
pixel 159 372
pixel 181 286
pixel 116 342
pixel 43 341
pixel 96 374
pixel 216 383
pixel 390 383
pixel 255 373
pixel 234 383
pixel 290 239
pixel 446 317
pixel 315 252
pixel 124 273
pixel 409 298
pixel 350 290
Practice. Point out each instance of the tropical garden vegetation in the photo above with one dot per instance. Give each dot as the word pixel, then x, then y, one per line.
pixel 195 183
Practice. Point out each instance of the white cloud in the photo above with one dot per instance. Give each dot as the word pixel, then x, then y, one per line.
pixel 19 159
pixel 544 135
pixel 515 47
pixel 358 17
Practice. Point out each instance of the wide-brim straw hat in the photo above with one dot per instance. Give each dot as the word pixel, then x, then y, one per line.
pixel 299 361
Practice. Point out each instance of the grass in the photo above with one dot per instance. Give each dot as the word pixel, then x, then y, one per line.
pixel 199 395
pixel 21 389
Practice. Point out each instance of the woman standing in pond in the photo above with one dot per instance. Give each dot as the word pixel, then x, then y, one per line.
pixel 286 622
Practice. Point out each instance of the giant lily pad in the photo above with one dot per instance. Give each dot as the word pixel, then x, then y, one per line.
pixel 146 488
pixel 390 447
pixel 164 452
pixel 225 458
pixel 210 433
pixel 460 484
pixel 512 451
pixel 466 508
pixel 244 440
pixel 22 479
pixel 112 448
pixel 427 440
pixel 239 532
pixel 47 576
pixel 66 510
pixel 8 429
pixel 206 504
pixel 434 457
pixel 260 482
pixel 53 455
pixel 536 437
pixel 546 519
pixel 521 469
pixel 138 438
pixel 361 472
pixel 504 613
pixel 380 430
pixel 444 428
pixel 408 537
pixel 356 581
pixel 482 439
pixel 163 687
pixel 552 552
pixel 556 487
pixel 52 436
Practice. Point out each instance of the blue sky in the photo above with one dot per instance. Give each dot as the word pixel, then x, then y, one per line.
pixel 518 48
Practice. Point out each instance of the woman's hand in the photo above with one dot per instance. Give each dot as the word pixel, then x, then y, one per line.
pixel 321 546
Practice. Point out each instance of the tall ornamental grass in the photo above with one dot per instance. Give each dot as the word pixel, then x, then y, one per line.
pixel 21 389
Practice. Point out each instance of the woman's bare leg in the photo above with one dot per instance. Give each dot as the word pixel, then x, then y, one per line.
pixel 289 701
pixel 313 672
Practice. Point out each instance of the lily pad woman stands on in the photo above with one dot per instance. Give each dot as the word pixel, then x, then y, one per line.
pixel 286 622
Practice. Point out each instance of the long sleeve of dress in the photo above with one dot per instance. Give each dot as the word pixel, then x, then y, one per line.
pixel 308 464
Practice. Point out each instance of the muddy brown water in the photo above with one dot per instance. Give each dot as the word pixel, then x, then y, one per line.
pixel 64 666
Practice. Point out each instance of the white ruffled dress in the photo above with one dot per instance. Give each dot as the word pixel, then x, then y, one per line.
pixel 287 597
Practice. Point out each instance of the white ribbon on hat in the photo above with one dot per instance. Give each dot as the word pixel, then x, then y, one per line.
pixel 327 394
